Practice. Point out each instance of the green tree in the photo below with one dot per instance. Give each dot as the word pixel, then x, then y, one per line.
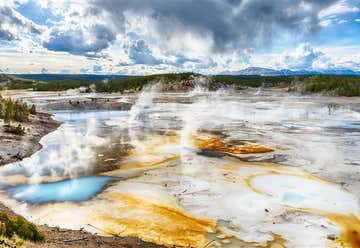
pixel 33 109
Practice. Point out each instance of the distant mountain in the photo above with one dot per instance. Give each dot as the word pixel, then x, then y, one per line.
pixel 257 71
pixel 76 77
pixel 340 72
pixel 260 71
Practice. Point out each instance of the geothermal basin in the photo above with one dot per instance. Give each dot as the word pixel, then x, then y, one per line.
pixel 200 169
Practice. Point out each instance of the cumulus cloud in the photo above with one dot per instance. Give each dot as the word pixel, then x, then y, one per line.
pixel 228 25
pixel 6 35
pixel 339 8
pixel 97 68
pixel 304 57
pixel 4 70
pixel 207 36
pixel 334 12
pixel 13 25
pixel 84 70
pixel 346 57
pixel 81 41
pixel 231 24
pixel 140 53
pixel 354 65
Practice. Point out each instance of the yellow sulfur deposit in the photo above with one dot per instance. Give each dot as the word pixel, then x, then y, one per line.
pixel 214 143
pixel 131 215
pixel 143 165
pixel 350 229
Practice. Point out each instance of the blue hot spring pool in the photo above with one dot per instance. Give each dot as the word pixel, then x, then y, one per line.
pixel 79 189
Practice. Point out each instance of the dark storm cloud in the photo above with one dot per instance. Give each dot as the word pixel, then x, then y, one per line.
pixel 79 41
pixel 232 24
pixel 14 23
pixel 6 35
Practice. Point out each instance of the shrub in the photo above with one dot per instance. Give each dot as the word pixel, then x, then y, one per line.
pixel 33 110
pixel 27 230
pixel 11 110
pixel 335 85
pixel 18 130
pixel 8 226
pixel 21 111
pixel 21 227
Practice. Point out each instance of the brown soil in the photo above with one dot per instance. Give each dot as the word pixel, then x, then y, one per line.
pixel 88 104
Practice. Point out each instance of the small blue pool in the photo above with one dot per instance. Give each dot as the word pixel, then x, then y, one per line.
pixel 74 116
pixel 79 189
pixel 292 198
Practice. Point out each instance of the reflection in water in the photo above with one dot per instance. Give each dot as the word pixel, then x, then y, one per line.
pixel 181 176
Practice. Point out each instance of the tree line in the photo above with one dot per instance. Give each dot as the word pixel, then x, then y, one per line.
pixel 328 84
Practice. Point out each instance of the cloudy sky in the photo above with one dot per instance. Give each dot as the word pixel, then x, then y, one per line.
pixel 151 36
